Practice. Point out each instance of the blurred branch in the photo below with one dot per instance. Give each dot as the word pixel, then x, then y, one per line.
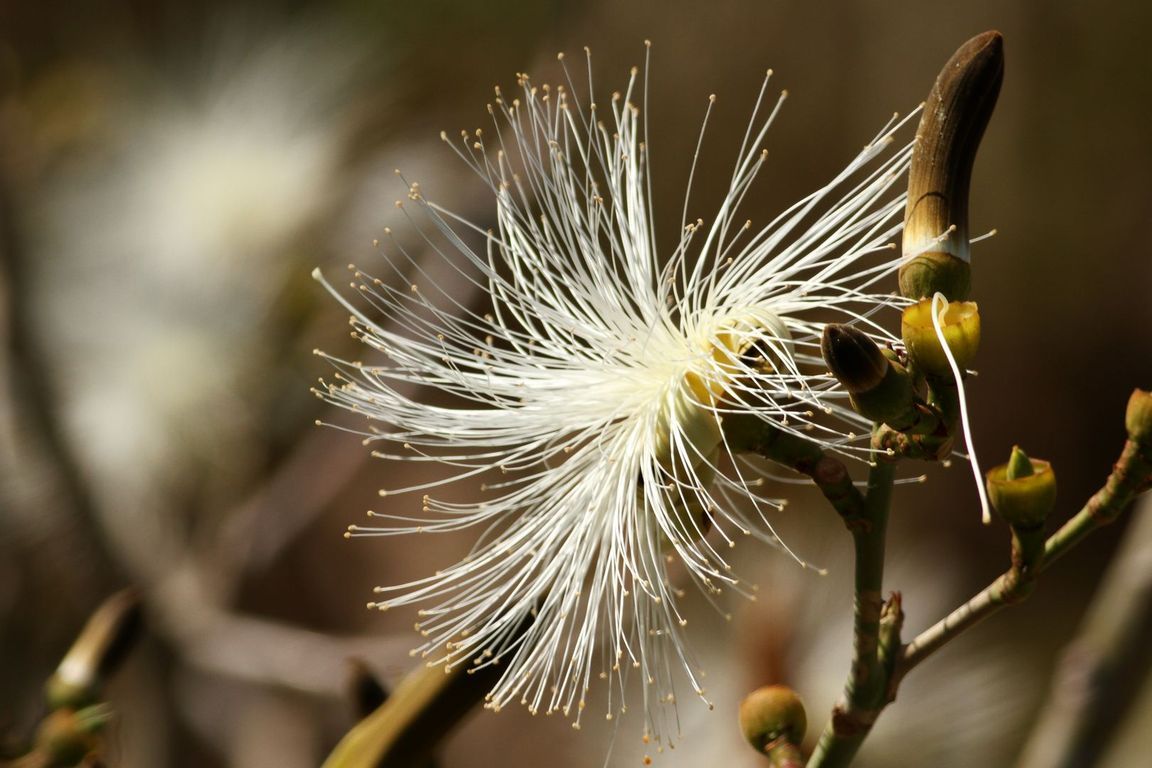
pixel 259 651
pixel 31 389
pixel 1104 665
pixel 303 486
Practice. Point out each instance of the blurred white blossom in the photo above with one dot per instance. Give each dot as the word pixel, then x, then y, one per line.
pixel 162 248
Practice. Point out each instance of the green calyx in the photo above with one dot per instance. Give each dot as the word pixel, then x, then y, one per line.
pixel 960 325
pixel 1023 491
pixel 926 274
pixel 891 401
pixel 66 737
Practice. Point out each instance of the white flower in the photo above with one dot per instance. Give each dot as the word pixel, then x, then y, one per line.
pixel 597 383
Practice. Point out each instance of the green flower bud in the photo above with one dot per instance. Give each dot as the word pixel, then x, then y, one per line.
pixel 960 322
pixel 1023 491
pixel 1138 418
pixel 880 388
pixel 771 713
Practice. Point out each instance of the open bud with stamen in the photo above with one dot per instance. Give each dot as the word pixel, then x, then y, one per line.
pixel 1138 417
pixel 880 388
pixel 770 714
pixel 951 126
pixel 960 324
pixel 1023 491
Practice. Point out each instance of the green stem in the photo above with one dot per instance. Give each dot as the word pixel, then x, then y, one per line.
pixel 865 692
pixel 1131 474
pixel 748 433
pixel 784 754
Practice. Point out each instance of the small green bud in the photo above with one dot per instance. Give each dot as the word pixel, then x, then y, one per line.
pixel 1138 418
pixel 960 322
pixel 771 713
pixel 1019 465
pixel 1023 491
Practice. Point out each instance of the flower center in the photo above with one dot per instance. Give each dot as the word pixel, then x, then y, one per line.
pixel 688 428
pixel 736 347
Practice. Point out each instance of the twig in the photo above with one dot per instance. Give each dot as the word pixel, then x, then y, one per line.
pixel 865 692
pixel 866 517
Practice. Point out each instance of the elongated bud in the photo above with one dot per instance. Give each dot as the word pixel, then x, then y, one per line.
pixel 1023 491
pixel 96 653
pixel 960 323
pixel 880 388
pixel 951 126
pixel 1138 418
pixel 773 713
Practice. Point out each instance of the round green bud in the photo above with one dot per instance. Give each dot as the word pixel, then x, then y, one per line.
pixel 960 323
pixel 771 713
pixel 1023 491
pixel 1138 418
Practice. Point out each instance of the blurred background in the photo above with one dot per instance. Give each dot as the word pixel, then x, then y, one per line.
pixel 170 173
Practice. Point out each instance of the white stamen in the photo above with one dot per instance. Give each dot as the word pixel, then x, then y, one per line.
pixel 939 305
pixel 588 403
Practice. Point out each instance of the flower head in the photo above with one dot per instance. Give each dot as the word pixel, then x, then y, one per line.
pixel 596 386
